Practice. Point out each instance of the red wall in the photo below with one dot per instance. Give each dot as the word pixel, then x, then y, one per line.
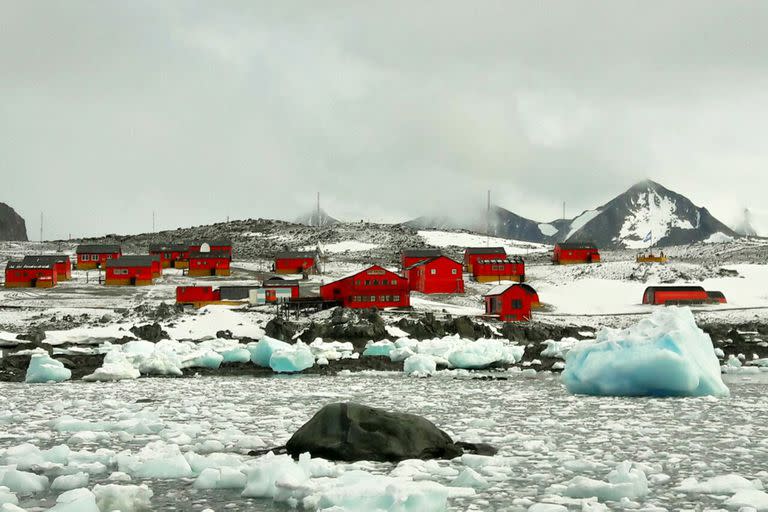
pixel 27 275
pixel 502 268
pixel 174 255
pixel 369 287
pixel 191 294
pixel 582 255
pixel 664 296
pixel 209 263
pixel 507 312
pixel 407 261
pixel 140 273
pixel 442 275
pixel 293 265
pixel 102 257
pixel 294 289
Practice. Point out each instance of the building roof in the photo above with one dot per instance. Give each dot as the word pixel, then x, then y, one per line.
pixel 430 260
pixel 98 249
pixel 485 250
pixel 168 247
pixel 508 259
pixel 46 258
pixel 421 253
pixel 132 260
pixel 576 245
pixel 28 265
pixel 372 267
pixel 715 295
pixel 500 289
pixel 296 255
pixel 209 254
pixel 675 288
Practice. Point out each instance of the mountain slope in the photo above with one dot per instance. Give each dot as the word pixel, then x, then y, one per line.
pixel 646 214
pixel 12 225
pixel 316 219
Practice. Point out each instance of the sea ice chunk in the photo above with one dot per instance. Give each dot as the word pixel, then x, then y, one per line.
pixel 420 365
pixel 483 353
pixel 261 352
pixel 236 355
pixel 754 499
pixel 155 460
pixel 623 482
pixel 378 348
pixel 69 482
pixel 116 366
pixel 76 500
pixel 220 478
pixel 125 498
pixel 664 355
pixel 293 358
pixel 6 496
pixel 21 482
pixel 263 477
pixel 44 369
pixel 722 484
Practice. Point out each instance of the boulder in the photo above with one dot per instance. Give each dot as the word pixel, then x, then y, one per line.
pixel 280 329
pixel 150 332
pixel 353 432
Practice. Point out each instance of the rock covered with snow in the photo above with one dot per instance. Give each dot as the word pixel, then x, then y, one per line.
pixel 666 354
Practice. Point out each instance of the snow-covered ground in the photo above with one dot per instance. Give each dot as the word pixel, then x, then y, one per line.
pixel 463 240
pixel 555 448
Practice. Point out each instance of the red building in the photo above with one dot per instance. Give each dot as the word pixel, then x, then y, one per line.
pixel 21 274
pixel 170 254
pixel 472 254
pixel 90 256
pixel 567 253
pixel 509 303
pixel 61 261
pixel 409 257
pixel 373 287
pixel 213 263
pixel 213 245
pixel 131 271
pixel 197 295
pixel 277 283
pixel 535 302
pixel 436 275
pixel 296 262
pixel 511 268
pixel 676 295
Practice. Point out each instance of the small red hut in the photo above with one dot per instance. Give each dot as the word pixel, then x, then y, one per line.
pixel 296 262
pixel 277 283
pixel 409 257
pixel 170 254
pixel 509 303
pixel 131 271
pixel 436 275
pixel 679 295
pixel 61 261
pixel 472 254
pixel 509 268
pixel 90 256
pixel 213 263
pixel 373 287
pixel 567 253
pixel 21 274
pixel 197 295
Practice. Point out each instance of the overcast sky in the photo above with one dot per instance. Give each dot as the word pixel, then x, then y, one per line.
pixel 200 110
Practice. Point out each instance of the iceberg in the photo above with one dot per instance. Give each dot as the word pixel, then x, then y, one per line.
pixel 379 348
pixel 291 359
pixel 116 366
pixel 44 369
pixel 420 365
pixel 125 498
pixel 484 353
pixel 666 354
pixel 261 351
pixel 76 500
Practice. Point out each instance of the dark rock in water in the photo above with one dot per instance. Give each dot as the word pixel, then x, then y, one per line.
pixel 478 448
pixel 225 335
pixel 280 329
pixel 35 335
pixel 465 327
pixel 150 332
pixel 353 432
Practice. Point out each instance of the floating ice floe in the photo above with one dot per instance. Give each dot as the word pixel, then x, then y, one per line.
pixel 76 500
pixel 155 460
pixel 452 351
pixel 116 366
pixel 44 369
pixel 623 482
pixel 722 484
pixel 378 348
pixel 420 365
pixel 748 499
pixel 291 359
pixel 664 355
pixel 125 498
pixel 559 349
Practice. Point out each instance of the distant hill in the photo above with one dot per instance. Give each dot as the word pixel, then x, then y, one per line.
pixel 646 213
pixel 12 225
pixel 315 220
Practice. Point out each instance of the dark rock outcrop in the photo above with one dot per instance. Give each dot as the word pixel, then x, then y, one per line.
pixel 353 432
pixel 150 332
pixel 12 225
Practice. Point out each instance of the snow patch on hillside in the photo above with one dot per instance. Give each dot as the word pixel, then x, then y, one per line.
pixel 581 221
pixel 653 214
pixel 547 229
pixel 718 238
pixel 344 246
pixel 458 239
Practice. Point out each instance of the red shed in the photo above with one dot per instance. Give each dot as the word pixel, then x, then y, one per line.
pixel 276 283
pixel 472 254
pixel 409 257
pixel 20 274
pixel 436 275
pixel 373 287
pixel 90 256
pixel 509 303
pixel 211 263
pixel 675 295
pixel 61 261
pixel 566 253
pixel 296 262
pixel 170 254
pixel 214 245
pixel 535 302
pixel 510 268
pixel 131 271
pixel 197 295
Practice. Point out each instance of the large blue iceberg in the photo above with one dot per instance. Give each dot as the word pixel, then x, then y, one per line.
pixel 663 355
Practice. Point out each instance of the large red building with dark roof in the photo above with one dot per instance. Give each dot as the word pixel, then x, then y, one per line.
pixel 436 275
pixel 372 287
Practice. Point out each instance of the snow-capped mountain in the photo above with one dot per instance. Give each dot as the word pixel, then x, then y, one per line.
pixel 646 214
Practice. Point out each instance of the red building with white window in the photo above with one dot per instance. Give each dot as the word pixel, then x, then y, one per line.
pixel 61 261
pixel 296 262
pixel 373 287
pixel 214 245
pixel 410 257
pixel 131 271
pixel 568 253
pixel 436 275
pixel 90 256
pixel 510 303
pixel 472 254
pixel 21 274
pixel 510 268
pixel 170 254
pixel 213 263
